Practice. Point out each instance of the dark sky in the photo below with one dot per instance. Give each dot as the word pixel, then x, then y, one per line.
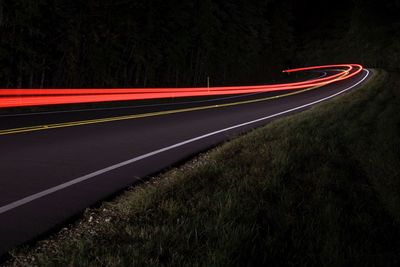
pixel 322 16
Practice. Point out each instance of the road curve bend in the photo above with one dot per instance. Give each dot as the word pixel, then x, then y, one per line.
pixel 56 164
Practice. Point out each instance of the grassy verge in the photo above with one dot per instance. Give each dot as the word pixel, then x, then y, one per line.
pixel 317 188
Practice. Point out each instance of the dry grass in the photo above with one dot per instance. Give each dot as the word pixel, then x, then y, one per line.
pixel 320 188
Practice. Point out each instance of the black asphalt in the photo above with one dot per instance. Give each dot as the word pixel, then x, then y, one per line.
pixel 35 161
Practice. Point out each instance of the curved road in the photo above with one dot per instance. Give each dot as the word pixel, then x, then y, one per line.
pixel 53 167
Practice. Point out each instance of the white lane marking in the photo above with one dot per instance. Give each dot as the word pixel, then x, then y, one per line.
pixel 52 190
pixel 324 74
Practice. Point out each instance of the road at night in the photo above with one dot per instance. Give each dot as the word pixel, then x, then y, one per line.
pixel 50 174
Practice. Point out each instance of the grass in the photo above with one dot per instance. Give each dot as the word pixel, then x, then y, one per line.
pixel 320 188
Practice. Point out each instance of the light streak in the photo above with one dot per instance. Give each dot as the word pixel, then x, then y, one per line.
pixel 42 97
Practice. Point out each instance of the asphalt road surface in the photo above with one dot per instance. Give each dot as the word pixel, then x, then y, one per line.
pixel 54 168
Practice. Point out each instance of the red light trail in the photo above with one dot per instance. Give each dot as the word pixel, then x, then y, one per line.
pixel 41 97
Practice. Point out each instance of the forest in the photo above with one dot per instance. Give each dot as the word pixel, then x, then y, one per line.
pixel 143 43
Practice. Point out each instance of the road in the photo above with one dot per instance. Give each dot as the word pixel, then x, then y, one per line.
pixel 61 163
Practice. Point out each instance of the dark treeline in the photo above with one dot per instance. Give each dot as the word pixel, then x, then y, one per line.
pixel 360 31
pixel 70 43
pixel 126 43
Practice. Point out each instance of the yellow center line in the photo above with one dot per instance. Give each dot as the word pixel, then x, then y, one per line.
pixel 144 115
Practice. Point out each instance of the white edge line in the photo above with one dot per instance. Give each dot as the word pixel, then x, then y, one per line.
pixel 49 191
